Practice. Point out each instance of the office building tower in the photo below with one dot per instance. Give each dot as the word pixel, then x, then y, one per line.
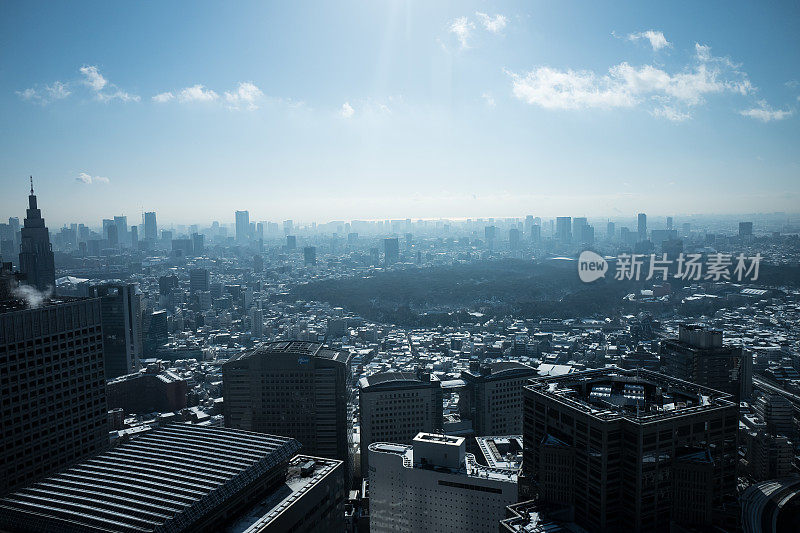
pixel 434 485
pixel 198 245
pixel 642 227
pixel 514 239
pixel 298 389
pixel 134 237
pixel 177 478
pixel 166 236
pixel 536 233
pixel 669 222
pixel 150 227
pixel 777 413
pixel 579 225
pixel 492 397
pixel 291 242
pixel 610 231
pixel 699 355
pixel 352 238
pixel 120 305
pixel 631 449
pixel 52 388
pixel 769 456
pixel 528 225
pixel 112 237
pixel 745 229
pixel 391 251
pixel 564 229
pixel 199 280
pixel 242 226
pixel 257 321
pixel 121 223
pixel 310 255
pixel 36 253
pixel 394 407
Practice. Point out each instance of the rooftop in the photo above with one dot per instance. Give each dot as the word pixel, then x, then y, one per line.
pixel 502 451
pixel 168 479
pixel 300 348
pixel 639 395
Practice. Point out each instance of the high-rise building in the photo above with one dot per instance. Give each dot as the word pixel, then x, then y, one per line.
pixel 134 237
pixel 121 313
pixel 631 449
pixel 291 242
pixel 642 227
pixel 310 255
pixel 199 280
pixel 391 251
pixel 298 389
pixel 492 397
pixel 745 229
pixel 699 355
pixel 242 226
pixel 777 413
pixel 36 253
pixel 394 407
pixel 121 223
pixel 181 478
pixel 198 246
pixel 150 227
pixel 610 231
pixel 669 222
pixel 513 239
pixel 434 485
pixel 257 320
pixel 52 388
pixel 564 229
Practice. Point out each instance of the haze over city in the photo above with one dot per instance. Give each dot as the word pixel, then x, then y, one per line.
pixel 370 110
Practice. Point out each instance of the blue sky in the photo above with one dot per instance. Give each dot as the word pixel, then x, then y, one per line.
pixel 389 109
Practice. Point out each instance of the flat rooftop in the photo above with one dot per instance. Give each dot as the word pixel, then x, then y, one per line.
pixel 300 348
pixel 634 394
pixel 502 451
pixel 304 472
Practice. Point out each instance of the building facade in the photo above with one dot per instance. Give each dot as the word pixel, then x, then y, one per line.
pixel 36 260
pixel 492 397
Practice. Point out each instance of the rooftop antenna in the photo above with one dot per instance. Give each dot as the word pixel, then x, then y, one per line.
pixel 31 185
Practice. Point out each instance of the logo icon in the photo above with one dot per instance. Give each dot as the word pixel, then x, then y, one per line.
pixel 591 266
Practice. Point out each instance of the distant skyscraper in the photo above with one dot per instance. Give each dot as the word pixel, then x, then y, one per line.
pixel 297 389
pixel 36 254
pixel 122 327
pixel 199 279
pixel 310 255
pixel 745 229
pixel 564 229
pixel 53 395
pixel 150 227
pixel 434 485
pixel 134 237
pixel 669 222
pixel 257 319
pixel 394 407
pixel 642 227
pixel 391 251
pixel 198 246
pixel 631 450
pixel 513 239
pixel 242 226
pixel 610 231
pixel 291 242
pixel 699 355
pixel 121 223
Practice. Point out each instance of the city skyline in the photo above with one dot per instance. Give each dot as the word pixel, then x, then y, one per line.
pixel 401 110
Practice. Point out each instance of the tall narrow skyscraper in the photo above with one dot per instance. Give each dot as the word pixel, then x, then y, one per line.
pixel 242 226
pixel 150 226
pixel 642 227
pixel 36 253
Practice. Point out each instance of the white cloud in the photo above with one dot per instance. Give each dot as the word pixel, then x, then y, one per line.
pixel 88 179
pixel 462 27
pixel 197 93
pixel 246 95
pixel 103 90
pixel 670 95
pixel 656 38
pixel 163 97
pixel 489 99
pixel 93 78
pixel 494 24
pixel 347 110
pixel 47 94
pixel 765 113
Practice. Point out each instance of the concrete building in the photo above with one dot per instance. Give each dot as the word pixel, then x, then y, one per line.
pixel 150 227
pixel 770 456
pixel 492 397
pixel 313 498
pixel 391 251
pixel 699 355
pixel 199 280
pixel 179 478
pixel 777 413
pixel 154 389
pixel 434 485
pixel 641 227
pixel 395 407
pixel 310 255
pixel 564 229
pixel 121 314
pixel 293 388
pixel 632 449
pixel 52 388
